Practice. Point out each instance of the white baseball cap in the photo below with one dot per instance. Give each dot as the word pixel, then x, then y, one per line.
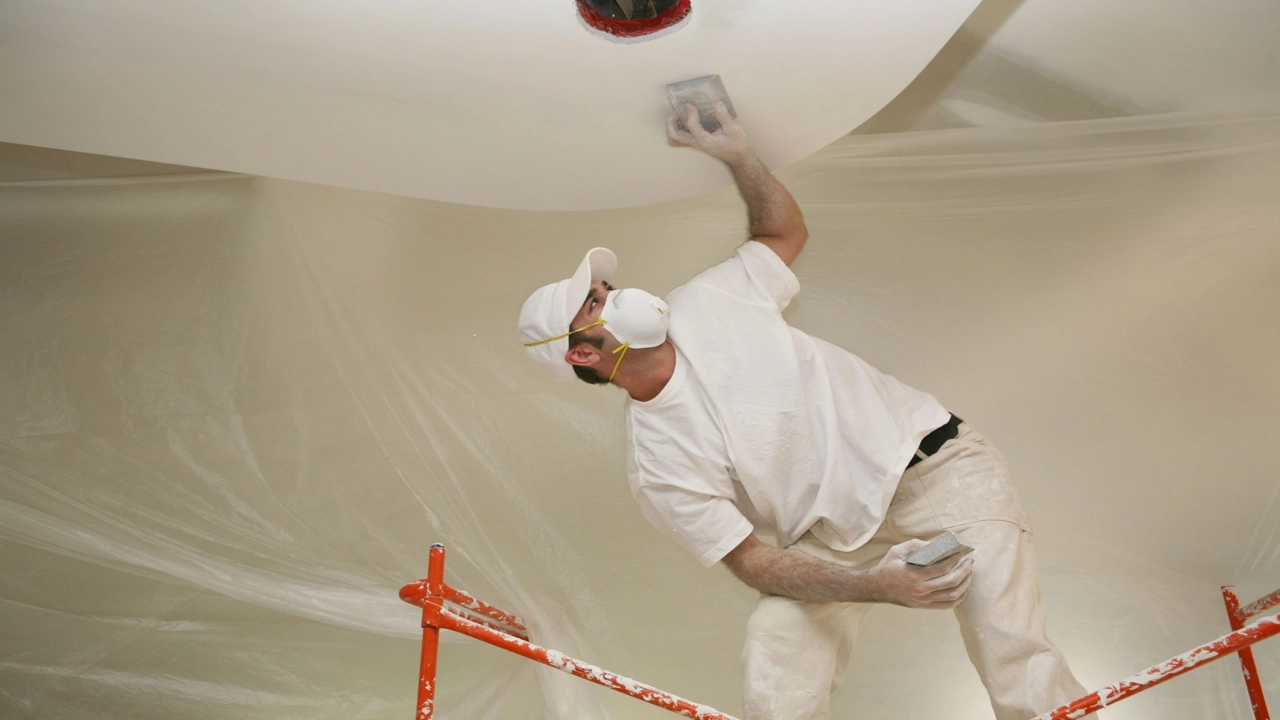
pixel 545 317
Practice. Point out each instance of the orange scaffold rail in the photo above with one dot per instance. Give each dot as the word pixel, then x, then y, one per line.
pixel 447 608
pixel 1238 616
pixel 1237 641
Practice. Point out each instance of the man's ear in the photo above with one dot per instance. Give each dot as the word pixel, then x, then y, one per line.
pixel 583 354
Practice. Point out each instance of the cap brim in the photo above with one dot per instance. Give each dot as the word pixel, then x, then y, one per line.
pixel 598 264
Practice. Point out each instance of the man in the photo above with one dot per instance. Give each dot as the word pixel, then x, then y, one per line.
pixel 736 421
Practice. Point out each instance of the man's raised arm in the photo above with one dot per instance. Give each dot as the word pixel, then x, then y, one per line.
pixel 773 216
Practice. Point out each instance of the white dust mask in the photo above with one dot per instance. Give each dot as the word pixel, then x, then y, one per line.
pixel 635 318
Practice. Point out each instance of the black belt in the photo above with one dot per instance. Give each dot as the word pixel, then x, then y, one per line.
pixel 933 442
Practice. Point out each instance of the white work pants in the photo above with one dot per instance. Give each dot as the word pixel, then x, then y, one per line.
pixel 796 652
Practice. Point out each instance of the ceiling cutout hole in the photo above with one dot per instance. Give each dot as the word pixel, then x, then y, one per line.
pixel 633 20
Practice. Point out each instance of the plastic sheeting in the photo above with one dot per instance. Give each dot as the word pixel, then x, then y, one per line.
pixel 236 411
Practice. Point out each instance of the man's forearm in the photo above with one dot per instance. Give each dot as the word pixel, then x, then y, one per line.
pixel 793 574
pixel 772 214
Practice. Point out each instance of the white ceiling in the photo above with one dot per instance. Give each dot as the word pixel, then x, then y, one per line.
pixel 119 79
pixel 505 104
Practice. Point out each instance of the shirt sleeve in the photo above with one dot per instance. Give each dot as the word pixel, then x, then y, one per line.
pixel 769 273
pixel 707 526
pixel 681 486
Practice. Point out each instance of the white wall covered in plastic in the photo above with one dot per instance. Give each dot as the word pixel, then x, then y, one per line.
pixel 234 412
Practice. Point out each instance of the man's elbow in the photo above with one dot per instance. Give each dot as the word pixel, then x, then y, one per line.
pixel 744 574
pixel 801 237
pixel 789 245
pixel 744 561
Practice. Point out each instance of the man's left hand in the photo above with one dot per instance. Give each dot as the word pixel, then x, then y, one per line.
pixel 727 144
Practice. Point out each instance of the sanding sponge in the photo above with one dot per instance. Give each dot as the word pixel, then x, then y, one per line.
pixel 939 549
pixel 703 93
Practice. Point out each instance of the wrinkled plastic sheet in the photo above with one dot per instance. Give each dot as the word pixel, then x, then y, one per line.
pixel 235 412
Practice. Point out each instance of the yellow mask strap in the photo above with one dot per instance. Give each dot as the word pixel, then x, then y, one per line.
pixel 623 349
pixel 584 327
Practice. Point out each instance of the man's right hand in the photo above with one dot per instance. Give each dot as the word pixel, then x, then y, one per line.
pixel 941 586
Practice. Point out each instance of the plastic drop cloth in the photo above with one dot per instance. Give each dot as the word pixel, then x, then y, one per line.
pixel 234 413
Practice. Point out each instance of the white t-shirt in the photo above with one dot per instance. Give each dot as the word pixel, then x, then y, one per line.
pixel 764 426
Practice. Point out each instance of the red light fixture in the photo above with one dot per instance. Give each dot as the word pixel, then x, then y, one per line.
pixel 633 19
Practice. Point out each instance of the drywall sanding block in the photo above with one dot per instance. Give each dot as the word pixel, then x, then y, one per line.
pixel 939 549
pixel 703 93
